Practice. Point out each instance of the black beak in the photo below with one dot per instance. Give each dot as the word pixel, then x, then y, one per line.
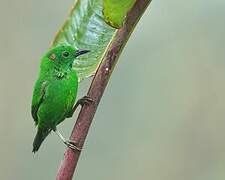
pixel 80 52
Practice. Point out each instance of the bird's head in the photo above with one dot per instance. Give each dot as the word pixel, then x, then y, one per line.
pixel 63 55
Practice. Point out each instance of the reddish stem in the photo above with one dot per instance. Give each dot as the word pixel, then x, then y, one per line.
pixel 80 130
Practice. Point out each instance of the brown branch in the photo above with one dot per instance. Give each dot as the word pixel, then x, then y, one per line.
pixel 80 130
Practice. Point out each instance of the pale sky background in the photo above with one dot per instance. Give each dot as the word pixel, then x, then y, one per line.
pixel 162 116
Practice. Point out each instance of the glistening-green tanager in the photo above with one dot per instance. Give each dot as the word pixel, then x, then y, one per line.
pixel 55 92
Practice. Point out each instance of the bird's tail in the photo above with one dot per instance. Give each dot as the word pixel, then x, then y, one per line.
pixel 39 138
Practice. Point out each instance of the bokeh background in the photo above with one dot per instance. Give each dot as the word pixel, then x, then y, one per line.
pixel 162 116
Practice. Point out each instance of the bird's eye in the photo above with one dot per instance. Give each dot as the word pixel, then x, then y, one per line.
pixel 65 54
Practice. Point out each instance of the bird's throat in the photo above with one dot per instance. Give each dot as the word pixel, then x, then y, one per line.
pixel 62 72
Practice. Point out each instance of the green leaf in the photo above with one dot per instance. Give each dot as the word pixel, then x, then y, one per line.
pixel 85 28
pixel 115 11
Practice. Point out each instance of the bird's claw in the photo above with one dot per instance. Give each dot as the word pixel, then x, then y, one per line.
pixel 72 145
pixel 85 100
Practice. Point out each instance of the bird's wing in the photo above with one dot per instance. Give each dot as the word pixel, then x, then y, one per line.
pixel 38 97
pixel 85 29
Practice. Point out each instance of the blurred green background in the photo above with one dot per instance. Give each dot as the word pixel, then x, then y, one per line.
pixel 162 116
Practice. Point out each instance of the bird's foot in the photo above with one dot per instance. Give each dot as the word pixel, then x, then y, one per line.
pixel 72 145
pixel 85 100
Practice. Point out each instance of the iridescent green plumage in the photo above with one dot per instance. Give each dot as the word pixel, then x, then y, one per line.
pixel 55 91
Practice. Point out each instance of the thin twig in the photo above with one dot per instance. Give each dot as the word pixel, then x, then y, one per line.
pixel 80 130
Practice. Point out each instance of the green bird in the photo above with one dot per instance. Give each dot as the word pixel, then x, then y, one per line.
pixel 55 92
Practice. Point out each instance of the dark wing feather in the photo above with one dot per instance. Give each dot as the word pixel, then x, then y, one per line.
pixel 38 97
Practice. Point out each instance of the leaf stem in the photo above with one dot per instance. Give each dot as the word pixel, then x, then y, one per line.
pixel 96 90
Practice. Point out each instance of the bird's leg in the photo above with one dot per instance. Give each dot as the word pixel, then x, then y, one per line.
pixel 84 100
pixel 68 143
